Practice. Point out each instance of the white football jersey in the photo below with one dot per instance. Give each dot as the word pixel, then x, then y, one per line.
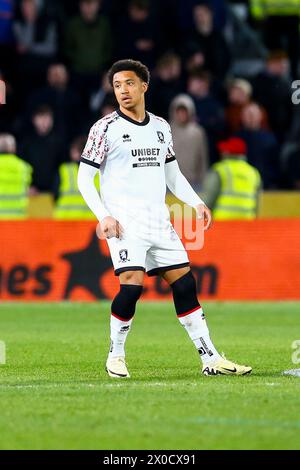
pixel 131 157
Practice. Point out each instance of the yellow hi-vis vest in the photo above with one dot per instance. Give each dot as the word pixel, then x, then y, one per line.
pixel 70 204
pixel 15 179
pixel 240 183
pixel 263 8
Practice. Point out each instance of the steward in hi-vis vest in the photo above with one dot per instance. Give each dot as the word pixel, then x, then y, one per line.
pixel 231 188
pixel 262 8
pixel 70 204
pixel 278 21
pixel 15 179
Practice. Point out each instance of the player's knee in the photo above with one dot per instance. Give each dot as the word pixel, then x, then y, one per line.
pixel 185 284
pixel 185 293
pixel 131 291
pixel 131 277
pixel 125 301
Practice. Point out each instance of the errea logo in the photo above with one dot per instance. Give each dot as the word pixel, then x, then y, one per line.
pixel 126 138
pixel 2 92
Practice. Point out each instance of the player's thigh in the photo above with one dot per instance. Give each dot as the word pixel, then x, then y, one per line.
pixel 127 255
pixel 174 274
pixel 167 254
pixel 132 277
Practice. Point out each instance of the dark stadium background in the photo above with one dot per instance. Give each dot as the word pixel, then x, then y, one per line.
pixel 243 59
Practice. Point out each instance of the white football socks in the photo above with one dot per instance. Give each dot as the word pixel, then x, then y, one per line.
pixel 196 327
pixel 118 333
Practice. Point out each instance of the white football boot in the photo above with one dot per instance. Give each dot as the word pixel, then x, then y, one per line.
pixel 116 367
pixel 224 367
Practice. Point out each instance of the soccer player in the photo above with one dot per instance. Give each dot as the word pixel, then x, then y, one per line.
pixel 133 150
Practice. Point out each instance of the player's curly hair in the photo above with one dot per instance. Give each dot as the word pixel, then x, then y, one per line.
pixel 128 64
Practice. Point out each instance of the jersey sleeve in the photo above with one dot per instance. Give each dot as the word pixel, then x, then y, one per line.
pixel 170 155
pixel 96 147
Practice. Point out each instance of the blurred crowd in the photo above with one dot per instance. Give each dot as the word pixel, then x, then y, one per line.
pixel 219 69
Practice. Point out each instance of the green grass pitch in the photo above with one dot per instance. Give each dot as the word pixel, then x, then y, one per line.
pixel 55 394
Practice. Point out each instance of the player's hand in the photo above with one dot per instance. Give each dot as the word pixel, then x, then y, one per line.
pixel 203 212
pixel 111 228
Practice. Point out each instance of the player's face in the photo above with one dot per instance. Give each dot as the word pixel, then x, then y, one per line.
pixel 129 89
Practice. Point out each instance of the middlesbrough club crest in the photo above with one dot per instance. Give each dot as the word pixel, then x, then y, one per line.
pixel 161 137
pixel 123 256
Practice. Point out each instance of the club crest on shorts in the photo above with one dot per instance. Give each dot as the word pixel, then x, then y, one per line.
pixel 123 256
pixel 161 137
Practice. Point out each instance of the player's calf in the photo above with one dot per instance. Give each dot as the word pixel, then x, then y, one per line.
pixel 122 313
pixel 191 316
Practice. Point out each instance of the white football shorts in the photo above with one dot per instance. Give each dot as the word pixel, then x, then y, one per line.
pixel 154 253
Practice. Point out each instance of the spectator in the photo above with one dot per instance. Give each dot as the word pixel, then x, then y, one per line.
pixel 209 111
pixel 165 18
pixel 102 97
pixel 70 204
pixel 185 13
pixel 273 91
pixel 262 146
pixel 292 169
pixel 36 39
pixel 290 154
pixel 88 45
pixel 239 96
pixel 62 99
pixel 210 42
pixel 194 61
pixel 166 84
pixel 2 90
pixel 280 24
pixel 231 188
pixel 7 49
pixel 8 97
pixel 192 158
pixel 15 177
pixel 43 150
pixel 138 32
pixel 6 17
pixel 107 108
pixel 247 51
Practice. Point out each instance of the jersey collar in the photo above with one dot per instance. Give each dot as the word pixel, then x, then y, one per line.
pixel 137 123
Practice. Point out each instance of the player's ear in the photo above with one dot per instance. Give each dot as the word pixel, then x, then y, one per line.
pixel 145 86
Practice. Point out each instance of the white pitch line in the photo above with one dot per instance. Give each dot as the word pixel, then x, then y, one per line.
pixel 244 422
pixel 272 384
pixel 118 383
pixel 293 372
